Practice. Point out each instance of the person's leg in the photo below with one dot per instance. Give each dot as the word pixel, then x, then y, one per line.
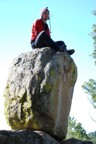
pixel 64 47
pixel 61 44
pixel 44 40
pixel 33 45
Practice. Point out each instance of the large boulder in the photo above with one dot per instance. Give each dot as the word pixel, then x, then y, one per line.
pixel 39 91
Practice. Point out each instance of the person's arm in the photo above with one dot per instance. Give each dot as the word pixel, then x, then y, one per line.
pixel 35 30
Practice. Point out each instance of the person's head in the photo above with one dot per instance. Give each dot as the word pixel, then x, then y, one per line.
pixel 45 14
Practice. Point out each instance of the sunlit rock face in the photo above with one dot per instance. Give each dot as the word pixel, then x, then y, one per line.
pixel 39 91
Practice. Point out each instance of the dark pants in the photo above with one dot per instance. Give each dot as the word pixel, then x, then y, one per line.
pixel 43 40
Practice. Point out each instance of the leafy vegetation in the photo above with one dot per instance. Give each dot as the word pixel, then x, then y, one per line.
pixel 90 86
pixel 77 131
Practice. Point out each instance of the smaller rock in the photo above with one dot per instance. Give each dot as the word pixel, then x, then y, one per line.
pixel 25 137
pixel 33 137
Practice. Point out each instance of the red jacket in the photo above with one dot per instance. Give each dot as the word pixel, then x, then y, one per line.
pixel 37 27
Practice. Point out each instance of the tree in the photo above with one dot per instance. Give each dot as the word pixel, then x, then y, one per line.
pixel 90 86
pixel 90 89
pixel 93 35
pixel 76 130
pixel 92 136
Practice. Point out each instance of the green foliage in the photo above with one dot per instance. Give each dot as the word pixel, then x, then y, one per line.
pixel 92 136
pixel 93 35
pixel 90 86
pixel 76 130
pixel 90 89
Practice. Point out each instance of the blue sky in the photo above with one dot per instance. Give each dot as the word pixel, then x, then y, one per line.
pixel 71 21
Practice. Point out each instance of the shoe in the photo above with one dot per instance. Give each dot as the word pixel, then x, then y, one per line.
pixel 70 52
